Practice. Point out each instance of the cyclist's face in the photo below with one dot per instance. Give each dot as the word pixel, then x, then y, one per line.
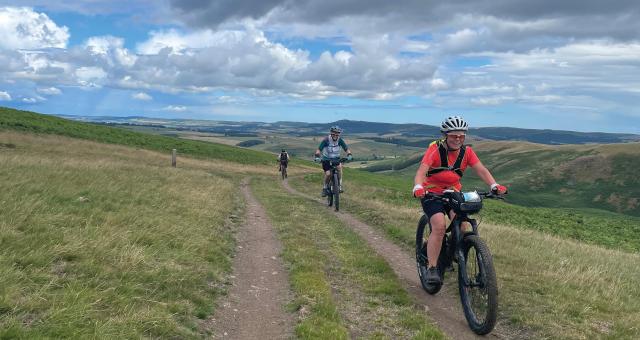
pixel 455 139
pixel 335 135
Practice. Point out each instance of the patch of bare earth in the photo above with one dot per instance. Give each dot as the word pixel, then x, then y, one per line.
pixel 255 305
pixel 444 308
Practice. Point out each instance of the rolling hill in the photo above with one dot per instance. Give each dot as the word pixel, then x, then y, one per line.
pixel 98 237
pixel 401 132
pixel 595 176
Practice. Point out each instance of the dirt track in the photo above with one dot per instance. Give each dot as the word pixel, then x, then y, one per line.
pixel 254 308
pixel 444 308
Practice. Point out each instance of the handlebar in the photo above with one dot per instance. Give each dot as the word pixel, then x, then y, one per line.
pixel 443 197
pixel 491 195
pixel 340 160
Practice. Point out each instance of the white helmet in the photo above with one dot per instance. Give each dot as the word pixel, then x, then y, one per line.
pixel 454 123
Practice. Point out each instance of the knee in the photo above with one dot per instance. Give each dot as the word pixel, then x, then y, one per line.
pixel 438 224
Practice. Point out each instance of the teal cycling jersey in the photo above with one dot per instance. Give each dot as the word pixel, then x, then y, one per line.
pixel 331 149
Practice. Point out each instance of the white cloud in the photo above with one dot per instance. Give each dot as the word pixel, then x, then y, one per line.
pixel 490 101
pixel 175 108
pixel 438 84
pixel 23 28
pixel 32 100
pixel 51 91
pixel 111 49
pixel 178 42
pixel 5 96
pixel 90 76
pixel 462 40
pixel 141 96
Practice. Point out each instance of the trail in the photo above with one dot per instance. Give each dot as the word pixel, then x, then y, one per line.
pixel 444 308
pixel 255 306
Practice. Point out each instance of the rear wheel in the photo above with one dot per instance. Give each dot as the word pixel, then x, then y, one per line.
pixel 336 191
pixel 479 295
pixel 422 262
pixel 284 172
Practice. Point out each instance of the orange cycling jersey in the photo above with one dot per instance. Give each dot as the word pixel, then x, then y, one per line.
pixel 448 179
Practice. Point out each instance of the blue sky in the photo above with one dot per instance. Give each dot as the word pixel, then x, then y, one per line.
pixel 525 64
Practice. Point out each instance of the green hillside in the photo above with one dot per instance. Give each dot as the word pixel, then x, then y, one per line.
pixel 108 241
pixel 97 240
pixel 570 176
pixel 26 121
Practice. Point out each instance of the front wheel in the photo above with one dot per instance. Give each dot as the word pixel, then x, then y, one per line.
pixel 336 191
pixel 478 285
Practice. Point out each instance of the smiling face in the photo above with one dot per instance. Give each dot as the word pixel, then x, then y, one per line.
pixel 455 139
pixel 335 135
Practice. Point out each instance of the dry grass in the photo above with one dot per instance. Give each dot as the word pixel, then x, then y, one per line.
pixel 110 242
pixel 563 288
pixel 554 287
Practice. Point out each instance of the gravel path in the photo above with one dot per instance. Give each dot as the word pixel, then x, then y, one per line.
pixel 255 306
pixel 444 308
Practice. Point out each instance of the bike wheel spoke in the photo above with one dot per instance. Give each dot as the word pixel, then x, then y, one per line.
pixel 478 292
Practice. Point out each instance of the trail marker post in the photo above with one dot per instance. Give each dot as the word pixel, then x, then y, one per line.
pixel 173 158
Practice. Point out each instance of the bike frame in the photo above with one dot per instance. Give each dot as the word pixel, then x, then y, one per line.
pixel 334 183
pixel 456 250
pixel 334 169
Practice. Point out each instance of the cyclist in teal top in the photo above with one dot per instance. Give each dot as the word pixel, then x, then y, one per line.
pixel 329 148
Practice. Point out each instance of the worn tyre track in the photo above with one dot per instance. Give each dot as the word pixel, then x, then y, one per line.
pixel 255 305
pixel 444 308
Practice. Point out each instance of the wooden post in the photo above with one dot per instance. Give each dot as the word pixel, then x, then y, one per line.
pixel 173 158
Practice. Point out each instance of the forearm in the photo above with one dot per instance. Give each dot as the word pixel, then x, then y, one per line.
pixel 420 174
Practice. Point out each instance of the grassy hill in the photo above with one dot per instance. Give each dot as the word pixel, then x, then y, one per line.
pixel 597 176
pixel 399 133
pixel 26 121
pixel 562 273
pixel 107 241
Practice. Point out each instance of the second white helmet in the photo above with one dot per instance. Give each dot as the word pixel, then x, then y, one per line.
pixel 454 123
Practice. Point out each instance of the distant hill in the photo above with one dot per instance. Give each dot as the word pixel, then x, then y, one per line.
pixel 403 134
pixel 554 137
pixel 599 176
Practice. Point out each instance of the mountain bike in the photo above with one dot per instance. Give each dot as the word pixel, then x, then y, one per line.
pixel 283 170
pixel 477 281
pixel 333 187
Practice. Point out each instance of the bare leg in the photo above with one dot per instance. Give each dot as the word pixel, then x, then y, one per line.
pixel 435 238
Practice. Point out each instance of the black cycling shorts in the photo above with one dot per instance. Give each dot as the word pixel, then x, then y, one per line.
pixel 326 165
pixel 284 163
pixel 432 207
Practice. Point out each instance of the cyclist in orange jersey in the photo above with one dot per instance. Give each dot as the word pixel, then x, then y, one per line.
pixel 441 168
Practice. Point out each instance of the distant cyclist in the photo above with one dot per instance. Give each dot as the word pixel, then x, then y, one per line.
pixel 284 159
pixel 329 148
pixel 441 168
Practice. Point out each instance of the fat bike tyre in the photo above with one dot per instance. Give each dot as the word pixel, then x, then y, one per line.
pixel 479 296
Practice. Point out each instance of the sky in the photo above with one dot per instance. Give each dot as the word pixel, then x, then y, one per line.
pixel 564 65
